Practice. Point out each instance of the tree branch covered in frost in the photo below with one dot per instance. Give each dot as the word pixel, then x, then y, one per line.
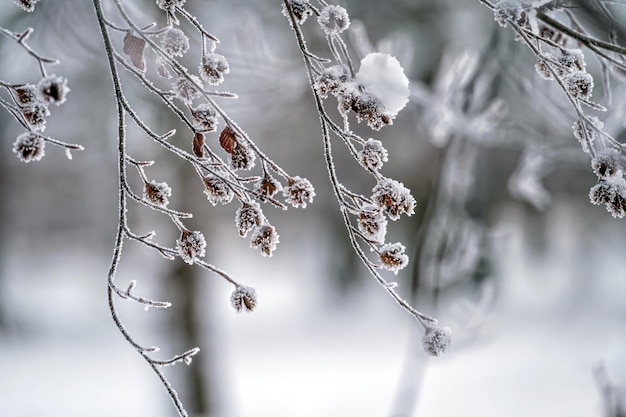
pixel 375 94
pixel 555 34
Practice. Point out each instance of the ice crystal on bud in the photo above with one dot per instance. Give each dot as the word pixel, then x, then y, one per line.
pixel 299 192
pixel 169 5
pixel 301 10
pixel 217 190
pixel 265 238
pixel 507 10
pixel 27 5
pixel 393 197
pixel 243 299
pixel 205 117
pixel 587 131
pixel 579 84
pixel 26 95
pixel 185 89
pixel 367 107
pixel 436 340
pixel 213 68
pixel 333 19
pixel 392 257
pixel 175 42
pixel 608 163
pixel 331 80
pixel 612 193
pixel 372 223
pixel 191 246
pixel 29 146
pixel 248 216
pixel 157 193
pixel 373 155
pixel 52 89
pixel 36 116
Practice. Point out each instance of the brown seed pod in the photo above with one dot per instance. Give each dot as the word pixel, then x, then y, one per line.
pixel 228 140
pixel 198 145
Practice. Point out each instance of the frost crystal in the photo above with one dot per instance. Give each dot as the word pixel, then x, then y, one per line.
pixel 393 197
pixel 243 299
pixel 579 84
pixel 248 216
pixel 213 68
pixel 205 117
pixel 27 5
pixel 506 10
pixel 333 20
pixel 29 146
pixel 301 10
pixel 267 187
pixel 367 107
pixel 393 257
pixel 217 190
pixel 157 193
pixel 265 238
pixel 185 89
pixel 372 223
pixel 436 340
pixel 52 89
pixel 169 5
pixel 175 42
pixel 36 116
pixel 191 246
pixel 331 79
pixel 299 192
pixel 383 77
pixel 241 157
pixel 372 155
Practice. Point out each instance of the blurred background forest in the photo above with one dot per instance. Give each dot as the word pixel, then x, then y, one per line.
pixel 506 248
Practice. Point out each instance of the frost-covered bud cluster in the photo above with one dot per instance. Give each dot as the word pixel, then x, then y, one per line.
pixel 301 9
pixel 372 223
pixel 579 84
pixel 568 61
pixel 436 340
pixel 299 192
pixel 205 117
pixel 213 68
pixel 248 216
pixel 608 163
pixel 217 190
pixel 586 131
pixel 373 155
pixel 507 10
pixel 612 193
pixel 26 95
pixel 169 5
pixel 185 89
pixel 36 116
pixel 393 197
pixel 265 239
pixel 331 79
pixel 157 193
pixel 242 157
pixel 367 107
pixel 243 299
pixel 392 257
pixel 191 246
pixel 27 5
pixel 52 90
pixel 267 187
pixel 174 42
pixel 29 146
pixel 333 19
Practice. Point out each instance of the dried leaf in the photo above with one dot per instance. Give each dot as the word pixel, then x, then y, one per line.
pixel 133 48
pixel 228 140
pixel 198 145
